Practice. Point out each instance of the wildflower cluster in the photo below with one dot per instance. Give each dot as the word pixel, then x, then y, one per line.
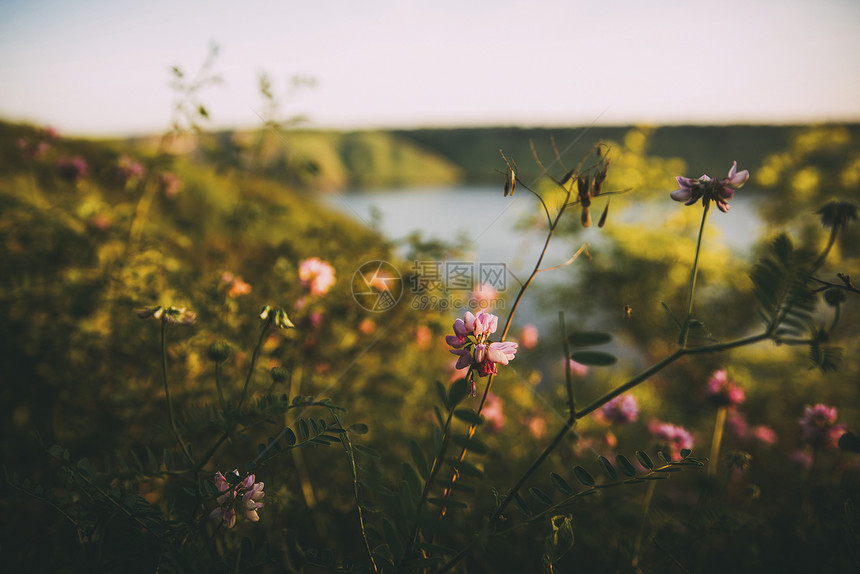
pixel 672 438
pixel 723 391
pixel 246 494
pixel 709 189
pixel 470 342
pixel 622 409
pixel 819 428
pixel 317 275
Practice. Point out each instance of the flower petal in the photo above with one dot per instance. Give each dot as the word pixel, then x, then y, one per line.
pixel 681 194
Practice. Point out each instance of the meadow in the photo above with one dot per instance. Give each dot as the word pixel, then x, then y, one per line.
pixel 182 306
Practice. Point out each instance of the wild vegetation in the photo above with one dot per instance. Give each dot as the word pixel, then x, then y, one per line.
pixel 175 311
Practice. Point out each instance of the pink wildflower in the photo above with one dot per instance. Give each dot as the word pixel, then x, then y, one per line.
pixel 72 169
pixel 578 369
pixel 819 428
pixel 707 189
pixel 317 275
pixel 170 184
pixel 471 344
pixel 622 409
pixel 236 285
pixel 801 458
pixel 483 296
pixel 529 337
pixel 249 492
pixel 129 170
pixel 493 413
pixel 672 438
pixel 423 337
pixel 366 326
pixel 764 434
pixel 723 391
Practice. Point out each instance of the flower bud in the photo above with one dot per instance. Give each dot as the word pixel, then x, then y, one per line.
pixel 279 374
pixel 219 351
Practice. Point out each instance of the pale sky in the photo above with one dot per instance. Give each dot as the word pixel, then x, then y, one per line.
pixel 101 67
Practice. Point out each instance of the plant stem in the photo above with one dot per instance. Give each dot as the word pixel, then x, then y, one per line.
pixel 347 446
pixel 685 327
pixel 719 424
pixel 568 382
pixel 170 416
pixel 646 505
pixel 218 387
pixel 254 358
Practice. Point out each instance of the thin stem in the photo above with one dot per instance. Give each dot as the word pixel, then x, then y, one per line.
pixel 431 476
pixel 646 505
pixel 534 466
pixel 254 358
pixel 347 446
pixel 218 387
pixel 719 424
pixel 685 327
pixel 170 416
pixel 568 382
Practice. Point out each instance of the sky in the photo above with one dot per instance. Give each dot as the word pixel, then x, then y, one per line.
pixel 102 67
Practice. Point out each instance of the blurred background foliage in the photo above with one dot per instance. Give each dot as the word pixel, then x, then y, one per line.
pixel 82 371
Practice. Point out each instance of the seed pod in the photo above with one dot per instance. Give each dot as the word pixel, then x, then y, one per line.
pixel 602 221
pixel 586 217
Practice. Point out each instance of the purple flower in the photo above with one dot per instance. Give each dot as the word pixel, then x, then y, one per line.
pixel 317 275
pixel 723 391
pixel 471 344
pixel 170 184
pixel 708 189
pixel 129 170
pixel 819 428
pixel 247 490
pixel 622 409
pixel 72 169
pixel 672 438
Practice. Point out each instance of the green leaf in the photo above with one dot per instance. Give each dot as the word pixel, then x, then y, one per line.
pixel 457 392
pixel 624 464
pixel 439 418
pixel 304 431
pixel 465 468
pixel 607 467
pixel 685 452
pixel 435 548
pixel 471 444
pixel 121 463
pixel 521 505
pixel 589 338
pixel 392 537
pixel 420 460
pixel 644 459
pixel 450 503
pixel 358 428
pixel 412 480
pixel 290 436
pixel 594 358
pixel 583 476
pixel 366 450
pixel 168 460
pixel 440 389
pixel 560 484
pixel 540 496
pixel 469 416
pixel 458 485
pixel 153 462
